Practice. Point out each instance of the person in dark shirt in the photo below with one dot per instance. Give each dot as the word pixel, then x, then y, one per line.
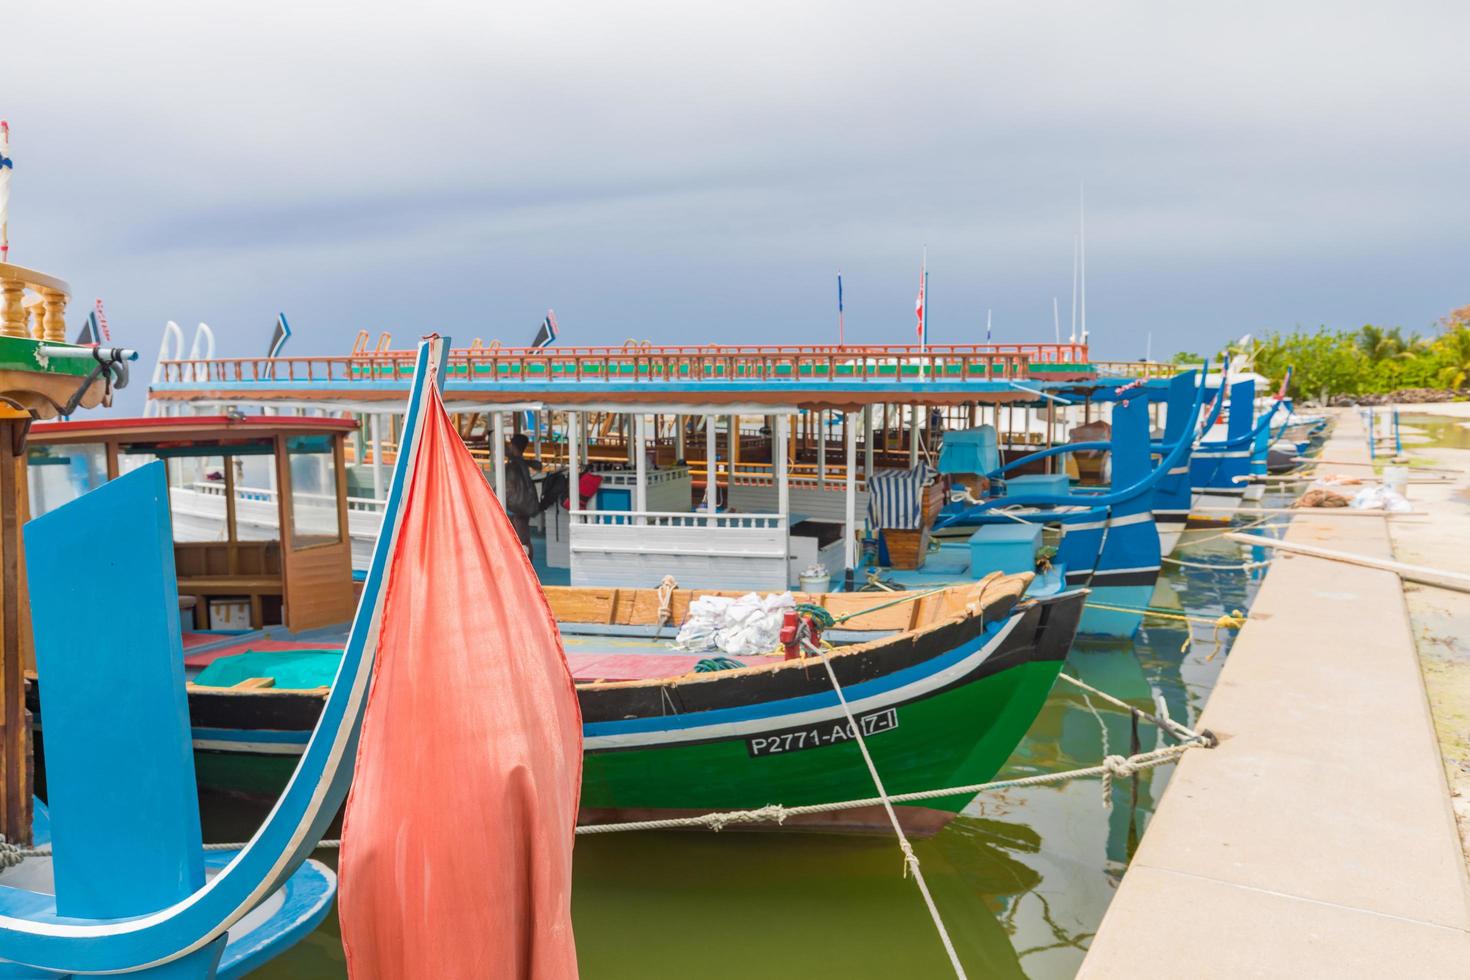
pixel 520 491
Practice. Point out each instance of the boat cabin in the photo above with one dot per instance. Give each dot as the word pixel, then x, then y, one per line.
pixel 258 503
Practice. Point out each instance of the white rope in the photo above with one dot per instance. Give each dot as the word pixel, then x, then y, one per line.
pixel 1185 734
pixel 666 589
pixel 779 814
pixel 1245 567
pixel 910 860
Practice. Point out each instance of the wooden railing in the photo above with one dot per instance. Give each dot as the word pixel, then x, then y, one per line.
pixel 42 315
pixel 971 362
pixel 265 494
pixel 1138 369
pixel 696 518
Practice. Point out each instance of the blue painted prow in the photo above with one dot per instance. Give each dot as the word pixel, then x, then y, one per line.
pixel 119 757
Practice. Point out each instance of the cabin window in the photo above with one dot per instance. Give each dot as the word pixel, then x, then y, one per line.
pixel 58 474
pixel 315 519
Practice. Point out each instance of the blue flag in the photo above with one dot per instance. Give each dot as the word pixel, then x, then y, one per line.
pixel 281 334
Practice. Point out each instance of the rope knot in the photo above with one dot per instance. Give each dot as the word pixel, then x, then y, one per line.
pixel 910 859
pixel 10 854
pixel 1115 767
pixel 666 597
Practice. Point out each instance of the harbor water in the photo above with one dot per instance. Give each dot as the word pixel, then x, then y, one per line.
pixel 1022 879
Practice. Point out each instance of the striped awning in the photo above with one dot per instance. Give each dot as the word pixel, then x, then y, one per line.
pixel 895 497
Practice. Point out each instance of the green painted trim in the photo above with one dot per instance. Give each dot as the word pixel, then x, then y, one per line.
pixel 955 738
pixel 19 354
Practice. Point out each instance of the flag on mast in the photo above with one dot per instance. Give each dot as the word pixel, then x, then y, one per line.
pixel 279 337
pixel 546 336
pixel 5 170
pixel 841 327
pixel 920 327
pixel 89 335
pixel 104 333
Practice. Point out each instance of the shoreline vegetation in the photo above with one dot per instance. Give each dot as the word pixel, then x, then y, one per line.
pixel 1368 366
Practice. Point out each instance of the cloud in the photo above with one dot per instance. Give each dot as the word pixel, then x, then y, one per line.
pixel 683 171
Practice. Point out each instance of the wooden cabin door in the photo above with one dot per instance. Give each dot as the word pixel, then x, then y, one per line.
pixel 316 549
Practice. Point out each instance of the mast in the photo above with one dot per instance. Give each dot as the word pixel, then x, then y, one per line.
pixel 1082 255
pixel 841 327
pixel 5 169
pixel 1072 339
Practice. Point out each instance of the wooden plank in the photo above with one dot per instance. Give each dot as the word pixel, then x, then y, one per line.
pixel 1310 511
pixel 15 752
pixel 254 684
pixel 1438 578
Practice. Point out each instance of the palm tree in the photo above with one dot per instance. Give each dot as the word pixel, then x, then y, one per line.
pixel 1454 347
pixel 1379 344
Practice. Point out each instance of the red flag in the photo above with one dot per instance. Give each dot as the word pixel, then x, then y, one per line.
pixel 919 309
pixel 457 844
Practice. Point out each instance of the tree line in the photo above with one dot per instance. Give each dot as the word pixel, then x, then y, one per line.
pixel 1370 360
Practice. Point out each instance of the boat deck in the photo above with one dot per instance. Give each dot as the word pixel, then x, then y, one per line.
pixel 594 657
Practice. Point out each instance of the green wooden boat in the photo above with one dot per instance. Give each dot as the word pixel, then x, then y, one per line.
pixel 944 687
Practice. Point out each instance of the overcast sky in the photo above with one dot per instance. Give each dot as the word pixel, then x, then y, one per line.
pixel 693 172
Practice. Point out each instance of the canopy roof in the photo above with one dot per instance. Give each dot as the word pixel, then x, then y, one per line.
pixel 182 431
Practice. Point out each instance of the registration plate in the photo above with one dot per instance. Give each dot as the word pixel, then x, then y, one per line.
pixel 816 736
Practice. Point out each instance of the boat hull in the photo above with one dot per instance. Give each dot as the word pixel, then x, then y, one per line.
pixel 956 736
pixel 940 708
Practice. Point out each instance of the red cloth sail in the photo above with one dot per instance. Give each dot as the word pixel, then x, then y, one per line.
pixel 457 843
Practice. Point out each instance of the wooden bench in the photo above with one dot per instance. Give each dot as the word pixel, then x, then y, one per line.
pixel 252 586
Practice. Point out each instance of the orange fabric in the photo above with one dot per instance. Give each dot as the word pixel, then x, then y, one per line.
pixel 457 843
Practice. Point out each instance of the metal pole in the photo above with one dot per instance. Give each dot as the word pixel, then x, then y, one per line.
pixel 783 483
pixel 867 441
pixel 378 483
pixel 849 524
pixel 497 448
pixel 640 492
pixel 711 457
pixel 822 449
pixel 913 436
pixel 574 499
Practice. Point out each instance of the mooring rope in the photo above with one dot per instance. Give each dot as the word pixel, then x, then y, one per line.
pixel 1245 567
pixel 1112 767
pixel 910 859
pixel 1231 620
pixel 779 814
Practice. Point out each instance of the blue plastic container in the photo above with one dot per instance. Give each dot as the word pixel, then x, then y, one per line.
pixel 1008 548
pixel 1052 484
pixel 969 451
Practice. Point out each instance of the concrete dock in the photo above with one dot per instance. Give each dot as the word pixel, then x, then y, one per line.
pixel 1319 838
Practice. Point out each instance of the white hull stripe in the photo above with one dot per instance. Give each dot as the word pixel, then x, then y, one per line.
pixel 741 729
pixel 1116 522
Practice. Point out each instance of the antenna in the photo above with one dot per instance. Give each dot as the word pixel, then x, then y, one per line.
pixel 1072 339
pixel 987 326
pixel 1082 253
pixel 1056 318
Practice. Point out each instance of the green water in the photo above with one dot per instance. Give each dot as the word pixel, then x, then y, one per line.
pixel 1022 878
pixel 1440 432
